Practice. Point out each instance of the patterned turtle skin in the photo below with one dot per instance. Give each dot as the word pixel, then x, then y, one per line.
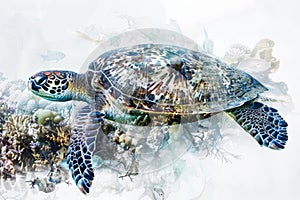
pixel 163 83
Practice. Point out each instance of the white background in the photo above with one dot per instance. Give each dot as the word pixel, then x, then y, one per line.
pixel 29 28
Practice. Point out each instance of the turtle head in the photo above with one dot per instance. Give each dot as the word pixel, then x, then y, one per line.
pixel 53 85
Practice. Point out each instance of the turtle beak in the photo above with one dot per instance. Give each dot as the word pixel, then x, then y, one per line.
pixel 29 84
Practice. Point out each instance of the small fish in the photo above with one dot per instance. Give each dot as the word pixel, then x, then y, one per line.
pixel 87 37
pixel 52 55
pixel 208 44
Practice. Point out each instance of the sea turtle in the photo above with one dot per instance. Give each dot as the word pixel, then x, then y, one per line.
pixel 162 82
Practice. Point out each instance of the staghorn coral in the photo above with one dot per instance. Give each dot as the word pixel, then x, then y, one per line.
pixel 29 146
pixel 61 137
pixel 22 130
pixel 52 147
pixel 3 114
pixel 7 169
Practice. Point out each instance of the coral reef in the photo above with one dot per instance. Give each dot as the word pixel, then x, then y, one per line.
pixel 33 144
pixel 237 53
pixel 44 116
pixel 258 60
pixel 29 104
pixel 5 110
pixel 27 145
pixel 57 174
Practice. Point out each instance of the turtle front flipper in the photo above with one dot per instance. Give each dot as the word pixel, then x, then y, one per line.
pixel 82 145
pixel 262 122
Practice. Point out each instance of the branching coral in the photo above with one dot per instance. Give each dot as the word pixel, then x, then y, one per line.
pixel 28 145
pixel 22 130
pixel 61 137
pixel 5 111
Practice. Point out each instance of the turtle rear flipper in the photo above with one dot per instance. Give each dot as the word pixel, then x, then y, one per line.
pixel 262 122
pixel 82 146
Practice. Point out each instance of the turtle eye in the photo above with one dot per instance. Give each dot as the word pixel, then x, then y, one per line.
pixel 42 80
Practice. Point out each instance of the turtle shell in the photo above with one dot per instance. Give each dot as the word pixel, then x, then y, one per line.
pixel 164 78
